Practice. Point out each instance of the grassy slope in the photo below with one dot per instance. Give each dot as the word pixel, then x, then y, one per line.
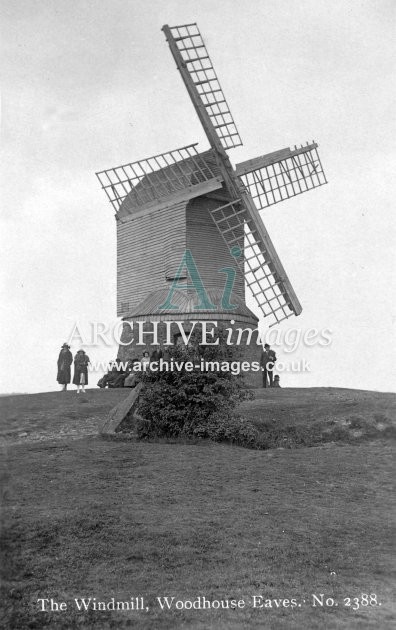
pixel 318 404
pixel 84 517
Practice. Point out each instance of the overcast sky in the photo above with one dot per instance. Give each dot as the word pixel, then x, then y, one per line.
pixel 92 84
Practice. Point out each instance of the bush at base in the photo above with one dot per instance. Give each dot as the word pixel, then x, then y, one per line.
pixel 188 403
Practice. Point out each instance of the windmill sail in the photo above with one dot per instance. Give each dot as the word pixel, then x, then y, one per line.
pixel 278 176
pixel 139 188
pixel 200 78
pixel 264 273
pixel 183 172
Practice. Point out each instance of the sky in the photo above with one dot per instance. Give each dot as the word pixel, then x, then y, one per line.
pixel 88 85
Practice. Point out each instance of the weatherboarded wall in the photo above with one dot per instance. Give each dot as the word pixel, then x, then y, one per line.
pixel 148 247
pixel 150 250
pixel 208 247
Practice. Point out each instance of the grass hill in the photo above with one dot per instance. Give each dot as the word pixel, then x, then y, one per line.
pixel 88 518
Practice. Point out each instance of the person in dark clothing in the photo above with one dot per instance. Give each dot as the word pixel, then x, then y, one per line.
pixel 108 379
pixel 65 360
pixel 81 361
pixel 115 377
pixel 267 361
pixel 156 355
pixel 121 375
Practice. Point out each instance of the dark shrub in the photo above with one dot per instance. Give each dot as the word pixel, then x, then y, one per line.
pixel 176 403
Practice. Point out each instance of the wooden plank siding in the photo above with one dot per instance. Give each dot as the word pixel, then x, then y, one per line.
pixel 208 247
pixel 148 248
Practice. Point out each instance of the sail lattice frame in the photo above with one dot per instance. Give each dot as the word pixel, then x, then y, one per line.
pixel 158 176
pixel 192 48
pixel 238 230
pixel 283 175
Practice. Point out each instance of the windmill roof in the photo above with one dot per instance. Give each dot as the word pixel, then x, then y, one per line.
pixel 186 303
pixel 171 179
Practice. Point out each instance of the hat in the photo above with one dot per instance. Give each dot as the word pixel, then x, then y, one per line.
pixel 267 345
pixel 65 345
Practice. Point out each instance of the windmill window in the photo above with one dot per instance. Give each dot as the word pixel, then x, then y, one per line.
pixel 172 278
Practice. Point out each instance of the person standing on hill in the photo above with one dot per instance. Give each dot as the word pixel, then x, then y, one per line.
pixel 267 362
pixel 81 361
pixel 65 360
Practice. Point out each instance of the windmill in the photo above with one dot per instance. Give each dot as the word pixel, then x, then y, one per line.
pixel 185 200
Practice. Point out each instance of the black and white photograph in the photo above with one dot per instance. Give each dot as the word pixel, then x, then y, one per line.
pixel 198 383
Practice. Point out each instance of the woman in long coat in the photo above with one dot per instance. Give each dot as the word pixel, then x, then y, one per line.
pixel 65 360
pixel 80 378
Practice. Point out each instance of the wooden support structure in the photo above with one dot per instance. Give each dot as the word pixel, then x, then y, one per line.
pixel 267 287
pixel 120 412
pixel 199 76
pixel 270 158
pixel 281 175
